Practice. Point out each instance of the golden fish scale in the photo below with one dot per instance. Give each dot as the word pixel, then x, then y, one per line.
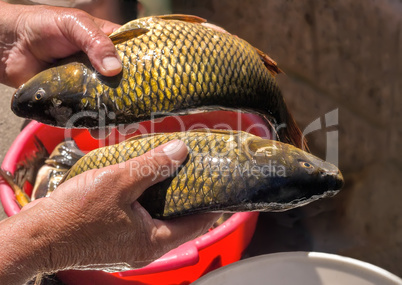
pixel 179 65
pixel 209 178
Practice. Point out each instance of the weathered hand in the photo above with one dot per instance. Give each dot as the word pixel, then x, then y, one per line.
pixel 93 220
pixel 109 226
pixel 32 37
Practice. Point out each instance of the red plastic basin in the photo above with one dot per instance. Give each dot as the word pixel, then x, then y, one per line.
pixel 220 246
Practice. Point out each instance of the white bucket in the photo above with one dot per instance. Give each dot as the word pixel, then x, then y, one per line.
pixel 311 268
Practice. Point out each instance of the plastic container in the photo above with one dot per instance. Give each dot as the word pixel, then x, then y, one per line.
pixel 220 246
pixel 313 268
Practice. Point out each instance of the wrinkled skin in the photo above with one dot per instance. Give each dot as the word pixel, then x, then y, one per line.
pixel 93 221
pixel 33 37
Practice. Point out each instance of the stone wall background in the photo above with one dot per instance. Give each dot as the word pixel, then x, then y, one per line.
pixel 344 55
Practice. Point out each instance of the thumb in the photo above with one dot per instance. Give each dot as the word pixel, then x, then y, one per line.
pixel 88 34
pixel 142 172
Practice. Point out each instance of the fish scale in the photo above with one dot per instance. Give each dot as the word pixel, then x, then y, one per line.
pixel 224 172
pixel 190 68
pixel 171 65
pixel 197 174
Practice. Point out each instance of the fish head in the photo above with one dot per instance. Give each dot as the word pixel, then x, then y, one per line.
pixel 297 176
pixel 53 95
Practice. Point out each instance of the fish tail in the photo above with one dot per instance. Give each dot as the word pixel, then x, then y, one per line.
pixel 291 132
pixel 21 197
pixel 269 63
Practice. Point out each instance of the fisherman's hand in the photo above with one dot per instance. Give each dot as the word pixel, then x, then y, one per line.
pixel 33 37
pixel 94 221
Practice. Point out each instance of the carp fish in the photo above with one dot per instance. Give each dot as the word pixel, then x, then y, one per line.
pixel 226 171
pixel 173 64
pixel 62 158
pixel 42 171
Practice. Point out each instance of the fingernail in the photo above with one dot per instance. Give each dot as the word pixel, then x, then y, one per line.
pixel 111 63
pixel 176 150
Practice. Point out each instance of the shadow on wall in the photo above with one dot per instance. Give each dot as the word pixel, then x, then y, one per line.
pixel 337 55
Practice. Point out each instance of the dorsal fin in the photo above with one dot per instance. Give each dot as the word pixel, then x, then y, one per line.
pixel 183 17
pixel 126 35
pixel 269 63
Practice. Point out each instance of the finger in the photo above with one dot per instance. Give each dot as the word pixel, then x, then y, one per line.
pixel 88 34
pixel 180 230
pixel 106 26
pixel 150 168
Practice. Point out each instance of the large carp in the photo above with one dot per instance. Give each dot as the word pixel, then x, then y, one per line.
pixel 225 171
pixel 171 64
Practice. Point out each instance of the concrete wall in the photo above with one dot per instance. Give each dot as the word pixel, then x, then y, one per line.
pixel 344 55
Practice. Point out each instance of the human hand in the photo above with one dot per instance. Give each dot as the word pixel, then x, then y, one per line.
pixel 33 37
pixel 93 221
pixel 99 224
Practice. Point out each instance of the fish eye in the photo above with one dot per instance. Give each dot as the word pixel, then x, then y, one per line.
pixel 306 164
pixel 39 94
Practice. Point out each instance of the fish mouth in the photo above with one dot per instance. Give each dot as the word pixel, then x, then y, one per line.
pixel 14 100
pixel 339 182
pixel 21 102
pixel 334 179
pixel 20 108
pixel 329 172
pixel 297 194
pixel 29 110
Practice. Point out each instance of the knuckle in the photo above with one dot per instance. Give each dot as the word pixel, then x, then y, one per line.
pixel 160 159
pixel 79 23
pixel 80 13
pixel 152 166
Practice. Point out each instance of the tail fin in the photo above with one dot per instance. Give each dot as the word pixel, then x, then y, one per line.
pixel 269 63
pixel 20 195
pixel 291 133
